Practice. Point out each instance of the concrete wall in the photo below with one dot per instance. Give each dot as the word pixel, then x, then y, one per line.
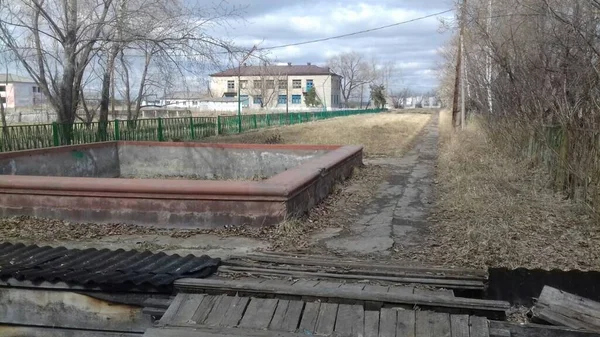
pixel 209 161
pixel 93 160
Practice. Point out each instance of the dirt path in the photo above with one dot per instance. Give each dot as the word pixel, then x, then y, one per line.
pixel 394 218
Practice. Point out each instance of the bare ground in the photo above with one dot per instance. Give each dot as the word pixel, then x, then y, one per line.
pixel 386 134
pixel 493 210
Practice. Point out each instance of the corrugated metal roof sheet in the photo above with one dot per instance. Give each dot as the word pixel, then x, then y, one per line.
pixel 102 267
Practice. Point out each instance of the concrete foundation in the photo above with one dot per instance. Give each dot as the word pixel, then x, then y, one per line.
pixel 300 177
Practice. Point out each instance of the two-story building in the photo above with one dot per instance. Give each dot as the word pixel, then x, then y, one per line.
pixel 279 87
pixel 18 91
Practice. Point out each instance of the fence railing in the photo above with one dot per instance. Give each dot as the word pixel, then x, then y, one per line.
pixel 25 137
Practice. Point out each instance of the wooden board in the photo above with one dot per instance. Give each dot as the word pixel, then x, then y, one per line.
pixel 492 309
pixel 287 315
pixel 204 309
pixel 459 325
pixel 438 282
pixel 350 320
pixel 309 317
pixel 388 322
pixel 188 307
pixel 371 323
pixel 536 330
pixel 259 313
pixel 405 323
pixel 479 327
pixel 429 323
pixel 21 331
pixel 326 318
pixel 235 312
pixel 215 317
pixel 365 266
pixel 564 309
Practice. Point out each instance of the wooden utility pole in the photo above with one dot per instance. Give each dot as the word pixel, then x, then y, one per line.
pixel 457 79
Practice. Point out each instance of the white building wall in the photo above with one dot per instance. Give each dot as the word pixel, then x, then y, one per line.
pixel 329 96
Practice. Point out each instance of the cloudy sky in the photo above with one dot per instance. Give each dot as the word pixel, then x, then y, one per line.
pixel 412 47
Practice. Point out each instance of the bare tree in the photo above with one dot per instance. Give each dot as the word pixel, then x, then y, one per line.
pixel 355 71
pixel 270 82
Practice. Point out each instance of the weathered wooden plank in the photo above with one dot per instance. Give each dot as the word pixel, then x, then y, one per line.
pixel 441 292
pixel 479 327
pixel 219 310
pixel 287 315
pixel 405 325
pixel 259 313
pixel 388 322
pixel 432 324
pixel 459 325
pixel 188 308
pixel 173 309
pixel 309 317
pixel 353 286
pixel 371 323
pixel 326 318
pixel 305 283
pixel 401 290
pixel 439 282
pixel 328 285
pixel 199 331
pixel 235 312
pixel 376 288
pixel 350 320
pixel 499 333
pixel 488 308
pixel 46 307
pixel 539 330
pixel 564 309
pixel 21 331
pixel 204 309
pixel 426 271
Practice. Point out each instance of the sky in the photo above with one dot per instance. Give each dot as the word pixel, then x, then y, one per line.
pixel 412 47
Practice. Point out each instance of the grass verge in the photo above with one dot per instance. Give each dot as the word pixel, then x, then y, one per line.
pixel 493 210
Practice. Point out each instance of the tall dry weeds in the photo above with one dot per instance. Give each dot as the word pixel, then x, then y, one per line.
pixel 496 210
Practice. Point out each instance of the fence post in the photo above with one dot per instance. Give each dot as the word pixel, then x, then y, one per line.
pixel 268 119
pixel 160 130
pixel 192 131
pixel 55 138
pixel 254 120
pixel 117 132
pixel 218 125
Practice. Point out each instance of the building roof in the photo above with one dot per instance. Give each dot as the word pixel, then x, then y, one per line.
pixel 276 70
pixel 11 78
pixel 101 268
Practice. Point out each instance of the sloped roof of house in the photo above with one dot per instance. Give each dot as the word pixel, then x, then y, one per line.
pixel 11 78
pixel 276 70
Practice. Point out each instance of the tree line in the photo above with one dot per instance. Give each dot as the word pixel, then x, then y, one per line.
pixel 532 72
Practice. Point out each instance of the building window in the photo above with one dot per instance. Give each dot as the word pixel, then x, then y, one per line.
pixel 194 102
pixel 282 84
pixel 244 84
pixel 296 99
pixel 309 85
pixel 257 84
pixel 282 99
pixel 270 84
pixel 2 88
pixel 2 100
pixel 257 99
pixel 245 100
pixel 230 84
pixel 296 84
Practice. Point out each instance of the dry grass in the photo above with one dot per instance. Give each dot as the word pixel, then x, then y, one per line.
pixel 385 134
pixel 495 211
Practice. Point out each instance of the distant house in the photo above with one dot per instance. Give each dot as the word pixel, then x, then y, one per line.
pixel 18 91
pixel 278 86
pixel 196 101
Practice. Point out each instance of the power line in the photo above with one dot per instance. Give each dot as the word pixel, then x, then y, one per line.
pixel 356 33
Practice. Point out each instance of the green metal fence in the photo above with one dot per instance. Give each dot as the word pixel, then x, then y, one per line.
pixel 25 137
